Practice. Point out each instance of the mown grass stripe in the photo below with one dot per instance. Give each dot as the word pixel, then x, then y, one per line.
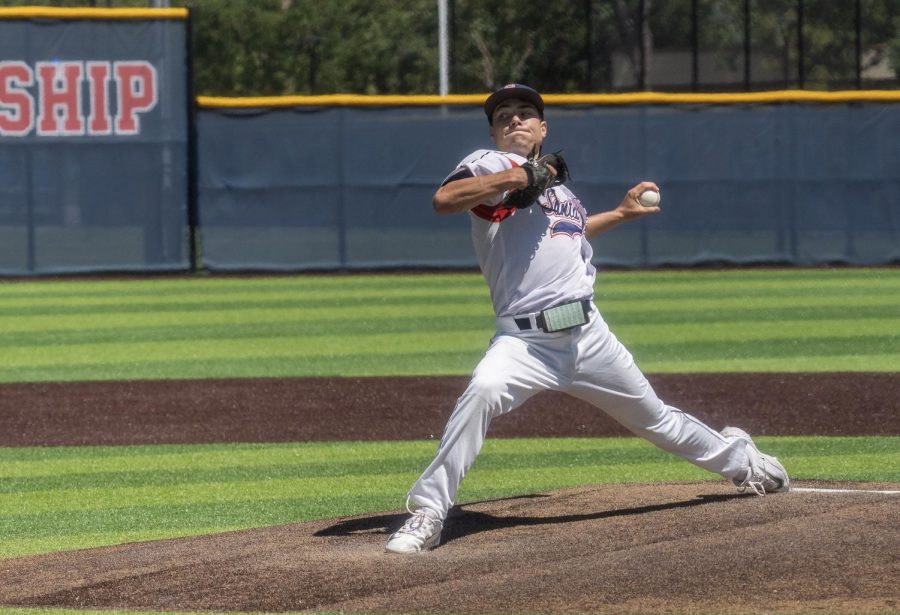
pixel 833 446
pixel 290 507
pixel 646 284
pixel 338 314
pixel 170 501
pixel 19 547
pixel 51 460
pixel 849 362
pixel 771 348
pixel 790 330
pixel 255 510
pixel 722 277
pixel 258 468
pixel 754 343
pixel 115 317
pixel 444 300
pixel 35 461
pixel 44 330
pixel 436 279
pixel 145 298
pixel 190 474
pixel 702 303
pixel 250 349
pixel 300 330
pixel 398 337
pixel 329 320
pixel 176 495
pixel 187 519
pixel 243 486
pixel 672 331
pixel 226 285
pixel 328 279
pixel 343 305
pixel 422 364
pixel 249 295
pixel 345 474
pixel 184 516
pixel 137 479
pixel 735 322
pixel 772 314
pixel 664 289
pixel 114 340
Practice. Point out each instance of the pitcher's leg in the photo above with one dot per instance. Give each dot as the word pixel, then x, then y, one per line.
pixel 610 380
pixel 460 444
pixel 505 378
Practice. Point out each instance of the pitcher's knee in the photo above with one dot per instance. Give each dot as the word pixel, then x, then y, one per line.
pixel 665 433
pixel 657 422
pixel 491 389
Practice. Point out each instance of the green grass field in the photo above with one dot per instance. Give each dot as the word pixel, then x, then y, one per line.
pixel 68 497
pixel 57 498
pixel 758 320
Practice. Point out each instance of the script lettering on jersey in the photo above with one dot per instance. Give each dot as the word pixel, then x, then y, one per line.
pixel 50 98
pixel 568 217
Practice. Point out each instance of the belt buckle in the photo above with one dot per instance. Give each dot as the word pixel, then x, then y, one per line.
pixel 563 317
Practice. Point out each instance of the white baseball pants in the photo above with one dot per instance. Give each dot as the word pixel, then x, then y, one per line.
pixel 586 362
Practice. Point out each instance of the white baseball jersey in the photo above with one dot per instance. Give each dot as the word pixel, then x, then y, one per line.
pixel 532 258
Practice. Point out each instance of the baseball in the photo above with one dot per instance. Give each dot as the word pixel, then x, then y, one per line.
pixel 649 198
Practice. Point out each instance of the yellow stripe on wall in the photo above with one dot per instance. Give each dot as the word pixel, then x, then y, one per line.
pixel 341 100
pixel 635 98
pixel 49 12
pixel 775 96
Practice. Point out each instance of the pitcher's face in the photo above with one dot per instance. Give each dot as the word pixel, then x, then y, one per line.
pixel 517 127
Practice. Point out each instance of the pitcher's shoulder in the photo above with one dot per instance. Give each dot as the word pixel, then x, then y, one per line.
pixel 490 161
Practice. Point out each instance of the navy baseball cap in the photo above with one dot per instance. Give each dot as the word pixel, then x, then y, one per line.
pixel 513 90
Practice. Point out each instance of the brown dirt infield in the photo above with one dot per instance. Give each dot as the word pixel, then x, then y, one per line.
pixel 660 548
pixel 306 409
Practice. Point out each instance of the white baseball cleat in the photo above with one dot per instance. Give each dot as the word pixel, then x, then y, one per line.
pixel 766 474
pixel 422 531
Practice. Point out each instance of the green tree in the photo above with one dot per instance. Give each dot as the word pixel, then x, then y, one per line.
pixel 510 41
pixel 272 47
pixel 276 47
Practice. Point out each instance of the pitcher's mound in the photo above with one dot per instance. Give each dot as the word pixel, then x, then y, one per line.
pixel 683 547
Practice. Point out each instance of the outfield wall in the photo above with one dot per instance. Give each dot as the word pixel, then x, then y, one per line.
pixel 108 163
pixel 94 148
pixel 344 186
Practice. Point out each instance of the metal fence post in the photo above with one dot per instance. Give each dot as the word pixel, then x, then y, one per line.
pixel 858 24
pixel 695 46
pixel 747 46
pixel 193 213
pixel 801 73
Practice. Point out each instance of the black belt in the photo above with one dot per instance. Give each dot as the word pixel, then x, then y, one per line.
pixel 524 322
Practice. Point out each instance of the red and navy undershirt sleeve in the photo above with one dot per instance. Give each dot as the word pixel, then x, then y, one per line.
pixel 460 173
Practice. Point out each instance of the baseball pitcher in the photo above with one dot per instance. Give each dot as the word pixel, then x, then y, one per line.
pixel 530 234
